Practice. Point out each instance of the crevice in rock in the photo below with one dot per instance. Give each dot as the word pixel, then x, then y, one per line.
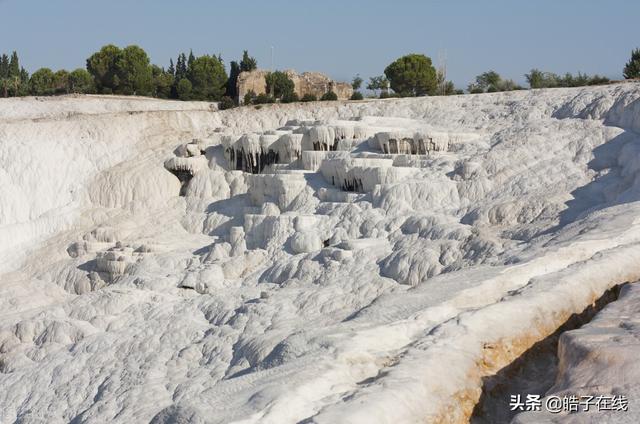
pixel 532 373
pixel 184 177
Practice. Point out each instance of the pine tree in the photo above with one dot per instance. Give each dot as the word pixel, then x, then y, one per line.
pixel 172 69
pixel 4 87
pixel 4 66
pixel 632 68
pixel 178 67
pixel 181 67
pixel 183 89
pixel 134 72
pixel 24 76
pixel 179 74
pixel 208 77
pixel 414 75
pixel 191 59
pixel 234 71
pixel 103 66
pixel 14 66
pixel 247 63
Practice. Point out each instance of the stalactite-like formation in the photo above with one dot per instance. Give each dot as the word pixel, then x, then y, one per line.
pixel 418 143
pixel 255 162
pixel 353 184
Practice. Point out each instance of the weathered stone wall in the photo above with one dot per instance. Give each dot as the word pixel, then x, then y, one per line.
pixel 251 81
pixel 306 83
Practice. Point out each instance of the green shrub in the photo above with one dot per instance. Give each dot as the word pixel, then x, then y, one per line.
pixel 184 88
pixel 598 80
pixel 290 98
pixel 329 95
pixel 448 88
pixel 226 103
pixel 81 81
pixel 378 83
pixel 61 82
pixel 356 83
pixel 249 97
pixel 162 82
pixel 356 96
pixel 263 99
pixel 279 84
pixel 42 82
pixel 540 79
pixel 309 98
pixel 388 95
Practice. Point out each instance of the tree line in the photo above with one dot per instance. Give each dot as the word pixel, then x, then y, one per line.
pixel 128 71
pixel 414 75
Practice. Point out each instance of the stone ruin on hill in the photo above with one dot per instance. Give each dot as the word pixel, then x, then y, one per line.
pixel 306 83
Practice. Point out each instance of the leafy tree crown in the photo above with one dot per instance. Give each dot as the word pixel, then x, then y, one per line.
pixel 412 75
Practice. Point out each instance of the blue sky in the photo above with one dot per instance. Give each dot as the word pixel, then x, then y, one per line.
pixel 340 38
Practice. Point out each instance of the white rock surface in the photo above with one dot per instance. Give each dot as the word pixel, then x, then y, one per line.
pixel 276 297
pixel 305 242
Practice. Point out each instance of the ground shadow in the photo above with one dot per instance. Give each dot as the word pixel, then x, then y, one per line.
pixel 233 208
pixel 594 195
pixel 89 266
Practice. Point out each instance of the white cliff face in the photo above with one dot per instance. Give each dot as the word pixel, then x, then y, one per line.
pixel 346 262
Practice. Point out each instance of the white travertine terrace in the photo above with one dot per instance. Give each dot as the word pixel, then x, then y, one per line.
pixel 294 264
pixel 420 143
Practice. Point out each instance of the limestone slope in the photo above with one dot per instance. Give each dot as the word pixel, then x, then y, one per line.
pixel 331 262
